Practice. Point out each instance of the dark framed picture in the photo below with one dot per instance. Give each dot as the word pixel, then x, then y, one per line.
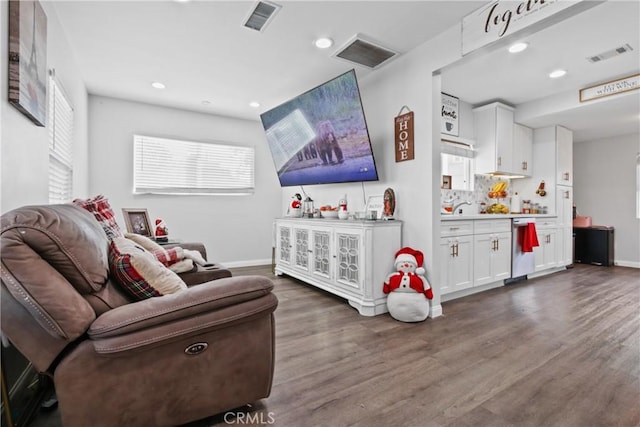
pixel 28 59
pixel 446 182
pixel 137 221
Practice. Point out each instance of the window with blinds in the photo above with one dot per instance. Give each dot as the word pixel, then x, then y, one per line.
pixel 60 144
pixel 170 166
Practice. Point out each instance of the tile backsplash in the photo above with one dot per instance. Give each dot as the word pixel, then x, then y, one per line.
pixel 482 186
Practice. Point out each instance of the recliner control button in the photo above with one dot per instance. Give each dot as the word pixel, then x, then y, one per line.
pixel 196 348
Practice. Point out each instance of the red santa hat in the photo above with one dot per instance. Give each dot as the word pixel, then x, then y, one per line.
pixel 414 256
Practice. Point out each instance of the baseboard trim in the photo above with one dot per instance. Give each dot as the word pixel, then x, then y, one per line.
pixel 247 263
pixel 436 311
pixel 622 263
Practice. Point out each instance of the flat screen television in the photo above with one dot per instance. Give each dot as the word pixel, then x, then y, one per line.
pixel 321 136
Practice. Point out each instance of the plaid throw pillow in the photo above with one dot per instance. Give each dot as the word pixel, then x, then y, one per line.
pixel 101 210
pixel 139 273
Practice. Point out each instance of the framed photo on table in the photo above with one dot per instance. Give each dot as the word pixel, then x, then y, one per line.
pixel 137 221
pixel 375 207
pixel 446 182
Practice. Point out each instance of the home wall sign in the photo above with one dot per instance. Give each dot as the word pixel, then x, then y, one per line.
pixel 449 112
pixel 404 136
pixel 609 88
pixel 501 18
pixel 28 59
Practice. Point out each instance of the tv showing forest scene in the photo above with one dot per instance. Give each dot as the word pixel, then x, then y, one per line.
pixel 321 136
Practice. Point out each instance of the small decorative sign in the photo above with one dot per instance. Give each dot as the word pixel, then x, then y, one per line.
pixel 375 207
pixel 612 87
pixel 404 136
pixel 449 113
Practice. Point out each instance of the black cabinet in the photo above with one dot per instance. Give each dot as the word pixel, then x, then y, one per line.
pixel 23 387
pixel 594 245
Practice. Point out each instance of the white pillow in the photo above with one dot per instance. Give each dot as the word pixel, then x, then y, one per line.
pixel 139 272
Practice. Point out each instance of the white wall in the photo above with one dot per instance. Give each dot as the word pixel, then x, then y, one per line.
pixel 604 189
pixel 24 147
pixel 236 230
pixel 416 183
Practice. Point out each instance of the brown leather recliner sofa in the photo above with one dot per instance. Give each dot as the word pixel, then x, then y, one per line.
pixel 162 361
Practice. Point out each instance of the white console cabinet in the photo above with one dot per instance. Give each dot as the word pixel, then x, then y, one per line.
pixel 348 258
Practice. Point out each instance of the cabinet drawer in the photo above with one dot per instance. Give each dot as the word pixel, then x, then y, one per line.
pixel 542 224
pixel 456 228
pixel 485 226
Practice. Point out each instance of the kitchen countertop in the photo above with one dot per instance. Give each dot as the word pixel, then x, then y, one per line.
pixel 493 216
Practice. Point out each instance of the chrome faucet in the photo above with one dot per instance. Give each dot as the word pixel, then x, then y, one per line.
pixel 455 207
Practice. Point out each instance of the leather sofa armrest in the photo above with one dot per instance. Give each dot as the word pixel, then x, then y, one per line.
pixel 216 304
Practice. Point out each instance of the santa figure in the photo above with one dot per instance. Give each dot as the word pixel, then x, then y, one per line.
pixel 162 232
pixel 408 290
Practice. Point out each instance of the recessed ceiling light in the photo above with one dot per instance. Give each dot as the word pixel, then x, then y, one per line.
pixel 158 85
pixel 323 43
pixel 254 104
pixel 518 47
pixel 557 73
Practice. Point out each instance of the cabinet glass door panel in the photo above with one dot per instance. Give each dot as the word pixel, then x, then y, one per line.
pixel 321 252
pixel 302 248
pixel 285 244
pixel 349 259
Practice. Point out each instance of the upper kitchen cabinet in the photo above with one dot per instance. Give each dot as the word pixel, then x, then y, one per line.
pixel 554 144
pixel 494 138
pixel 522 150
pixel 503 147
pixel 564 155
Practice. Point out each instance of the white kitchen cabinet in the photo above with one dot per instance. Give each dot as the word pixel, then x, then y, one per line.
pixel 546 256
pixel 564 206
pixel 350 259
pixel 564 156
pixel 522 150
pixel 456 263
pixel 491 251
pixel 494 138
pixel 553 164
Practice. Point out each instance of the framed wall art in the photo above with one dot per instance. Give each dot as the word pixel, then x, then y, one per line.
pixel 28 59
pixel 137 221
pixel 446 182
pixel 449 112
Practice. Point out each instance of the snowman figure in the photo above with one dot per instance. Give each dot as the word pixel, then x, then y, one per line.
pixel 408 291
pixel 295 208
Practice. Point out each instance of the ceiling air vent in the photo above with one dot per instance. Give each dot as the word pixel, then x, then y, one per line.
pixel 364 52
pixel 262 13
pixel 610 53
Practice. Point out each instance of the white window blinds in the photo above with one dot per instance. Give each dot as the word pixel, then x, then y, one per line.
pixel 60 144
pixel 170 166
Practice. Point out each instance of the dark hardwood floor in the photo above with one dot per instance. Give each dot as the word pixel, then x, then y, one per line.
pixel 561 350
